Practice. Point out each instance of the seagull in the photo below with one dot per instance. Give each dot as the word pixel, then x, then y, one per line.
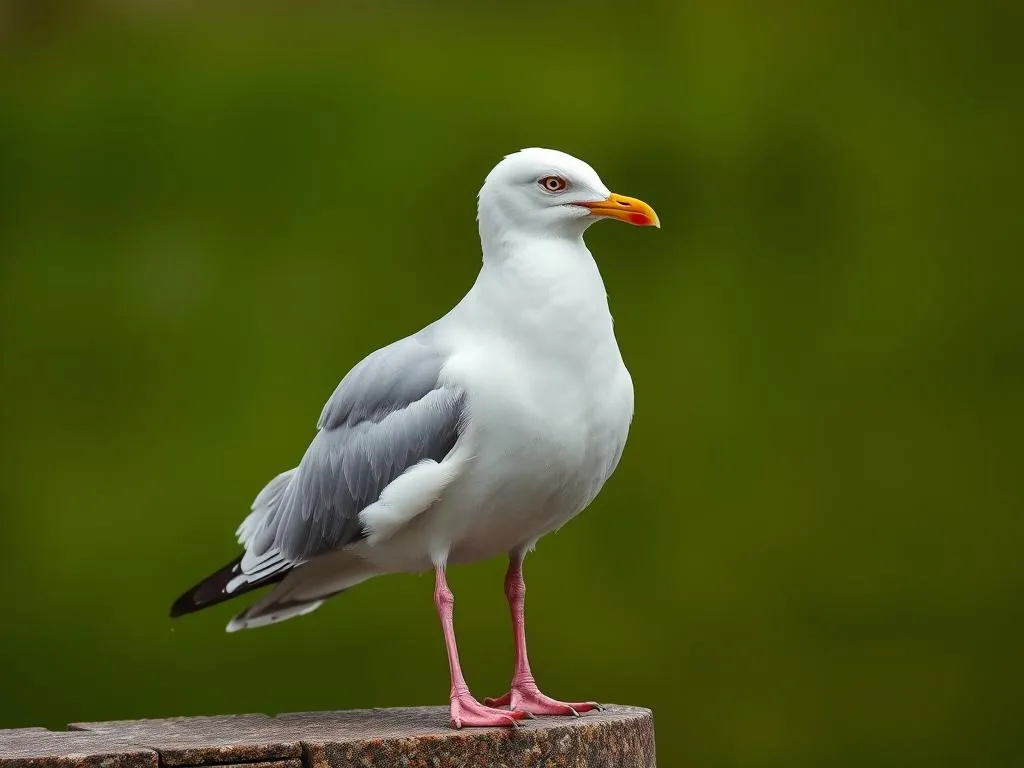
pixel 477 435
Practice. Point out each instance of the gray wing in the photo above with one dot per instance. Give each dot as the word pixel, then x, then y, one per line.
pixel 389 413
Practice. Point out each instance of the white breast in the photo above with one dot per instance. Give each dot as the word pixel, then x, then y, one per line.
pixel 542 445
pixel 550 403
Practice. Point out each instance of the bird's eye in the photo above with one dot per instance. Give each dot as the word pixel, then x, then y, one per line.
pixel 553 184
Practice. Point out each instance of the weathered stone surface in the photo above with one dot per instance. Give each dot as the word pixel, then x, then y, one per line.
pixel 39 748
pixel 618 737
pixel 205 740
pixel 419 737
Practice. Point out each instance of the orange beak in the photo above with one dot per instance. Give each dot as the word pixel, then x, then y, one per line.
pixel 627 209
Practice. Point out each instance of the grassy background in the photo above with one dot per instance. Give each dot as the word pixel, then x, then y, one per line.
pixel 811 552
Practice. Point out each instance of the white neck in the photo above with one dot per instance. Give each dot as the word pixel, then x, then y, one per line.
pixel 546 289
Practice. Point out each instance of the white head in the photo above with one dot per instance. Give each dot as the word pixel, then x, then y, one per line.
pixel 546 193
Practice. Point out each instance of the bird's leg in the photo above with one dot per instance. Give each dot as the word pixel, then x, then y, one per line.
pixel 524 695
pixel 465 710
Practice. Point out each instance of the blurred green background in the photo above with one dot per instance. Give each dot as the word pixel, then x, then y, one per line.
pixel 811 552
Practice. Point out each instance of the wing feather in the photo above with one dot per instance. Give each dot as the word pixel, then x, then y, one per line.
pixel 390 413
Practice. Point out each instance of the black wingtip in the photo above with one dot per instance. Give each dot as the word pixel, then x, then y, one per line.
pixel 185 604
pixel 211 590
pixel 189 602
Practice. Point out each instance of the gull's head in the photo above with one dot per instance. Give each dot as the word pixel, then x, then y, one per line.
pixel 547 193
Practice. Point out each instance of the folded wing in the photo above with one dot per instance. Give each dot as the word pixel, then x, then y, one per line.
pixel 392 418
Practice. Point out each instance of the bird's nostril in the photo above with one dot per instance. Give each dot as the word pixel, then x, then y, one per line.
pixel 623 203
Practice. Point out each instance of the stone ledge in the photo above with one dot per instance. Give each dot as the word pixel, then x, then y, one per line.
pixel 39 748
pixel 410 737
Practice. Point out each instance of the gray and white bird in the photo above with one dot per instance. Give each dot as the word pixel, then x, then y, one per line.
pixel 475 436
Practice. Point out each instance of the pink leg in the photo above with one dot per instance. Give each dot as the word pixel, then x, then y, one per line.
pixel 465 710
pixel 524 695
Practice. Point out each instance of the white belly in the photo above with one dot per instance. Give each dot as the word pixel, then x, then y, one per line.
pixel 541 442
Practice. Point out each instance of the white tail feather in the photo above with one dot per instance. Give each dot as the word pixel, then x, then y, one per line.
pixel 304 589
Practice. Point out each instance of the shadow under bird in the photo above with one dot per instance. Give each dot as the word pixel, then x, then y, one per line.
pixel 475 436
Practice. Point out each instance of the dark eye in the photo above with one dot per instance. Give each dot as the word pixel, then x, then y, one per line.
pixel 553 183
